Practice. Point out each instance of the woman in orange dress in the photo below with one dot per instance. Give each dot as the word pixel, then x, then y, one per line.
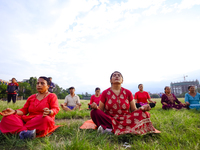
pixel 36 117
pixel 117 112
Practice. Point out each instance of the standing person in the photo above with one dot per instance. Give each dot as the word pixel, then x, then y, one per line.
pixel 12 89
pixel 95 98
pixel 36 117
pixel 72 101
pixel 117 112
pixel 192 99
pixel 141 98
pixel 52 85
pixel 169 100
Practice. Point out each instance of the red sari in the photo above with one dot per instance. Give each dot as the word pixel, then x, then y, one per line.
pixel 117 108
pixel 33 117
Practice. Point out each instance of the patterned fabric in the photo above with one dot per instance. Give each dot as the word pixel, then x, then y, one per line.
pixel 171 101
pixel 117 107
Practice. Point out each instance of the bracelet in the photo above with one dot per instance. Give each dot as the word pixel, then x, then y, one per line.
pixel 15 112
pixel 49 112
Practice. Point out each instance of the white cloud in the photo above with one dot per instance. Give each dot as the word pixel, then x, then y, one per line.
pixel 127 36
pixel 186 4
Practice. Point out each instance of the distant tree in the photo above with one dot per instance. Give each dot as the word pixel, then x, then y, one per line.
pixel 25 90
pixel 3 89
pixel 155 96
pixel 80 96
pixel 33 81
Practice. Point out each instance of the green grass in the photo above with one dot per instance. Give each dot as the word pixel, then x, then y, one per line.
pixel 180 130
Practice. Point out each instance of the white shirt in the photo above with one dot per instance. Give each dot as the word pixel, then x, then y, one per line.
pixel 72 101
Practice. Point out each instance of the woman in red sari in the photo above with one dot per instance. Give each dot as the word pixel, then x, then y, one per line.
pixel 117 112
pixel 36 117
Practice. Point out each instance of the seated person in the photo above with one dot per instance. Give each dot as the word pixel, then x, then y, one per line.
pixel 192 99
pixel 36 117
pixel 117 112
pixel 169 100
pixel 95 98
pixel 72 101
pixel 141 98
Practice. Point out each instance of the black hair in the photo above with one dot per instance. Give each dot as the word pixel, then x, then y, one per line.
pixel 115 72
pixel 190 86
pixel 97 89
pixel 71 88
pixel 47 79
pixel 139 85
pixel 50 77
pixel 166 87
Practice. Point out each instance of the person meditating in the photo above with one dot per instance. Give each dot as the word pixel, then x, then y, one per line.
pixel 95 98
pixel 169 100
pixel 192 99
pixel 36 117
pixel 72 101
pixel 117 112
pixel 141 98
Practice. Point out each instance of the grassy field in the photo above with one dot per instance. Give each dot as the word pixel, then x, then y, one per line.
pixel 180 130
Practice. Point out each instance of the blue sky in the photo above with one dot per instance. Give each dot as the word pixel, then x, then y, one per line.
pixel 80 43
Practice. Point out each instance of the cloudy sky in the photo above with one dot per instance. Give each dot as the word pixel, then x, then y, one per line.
pixel 81 42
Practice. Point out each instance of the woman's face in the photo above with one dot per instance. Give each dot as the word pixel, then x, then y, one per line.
pixel 140 87
pixel 192 89
pixel 13 80
pixel 42 86
pixel 116 78
pixel 167 90
pixel 97 92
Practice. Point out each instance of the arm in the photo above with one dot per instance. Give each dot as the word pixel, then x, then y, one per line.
pixel 78 101
pixel 10 111
pixel 101 103
pixel 16 87
pixel 149 98
pixel 26 106
pixel 187 99
pixel 176 100
pixel 132 106
pixel 66 101
pixel 53 106
pixel 91 99
pixel 163 100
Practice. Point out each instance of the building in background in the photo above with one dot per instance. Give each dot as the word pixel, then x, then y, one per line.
pixel 178 88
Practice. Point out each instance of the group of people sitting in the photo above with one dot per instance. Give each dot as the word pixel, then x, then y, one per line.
pixel 113 111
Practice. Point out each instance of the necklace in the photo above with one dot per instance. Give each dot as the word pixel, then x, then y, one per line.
pixel 39 100
pixel 44 95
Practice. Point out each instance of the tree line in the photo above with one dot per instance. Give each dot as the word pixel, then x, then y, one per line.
pixel 28 88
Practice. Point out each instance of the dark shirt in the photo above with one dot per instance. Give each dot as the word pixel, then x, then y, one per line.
pixel 12 88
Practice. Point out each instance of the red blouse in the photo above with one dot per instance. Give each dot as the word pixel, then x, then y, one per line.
pixel 95 99
pixel 142 96
pixel 33 106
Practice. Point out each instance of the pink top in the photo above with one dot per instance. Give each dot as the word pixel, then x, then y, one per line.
pixel 142 96
pixel 95 99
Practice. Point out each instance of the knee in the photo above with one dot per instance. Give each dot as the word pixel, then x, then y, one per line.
pixel 94 112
